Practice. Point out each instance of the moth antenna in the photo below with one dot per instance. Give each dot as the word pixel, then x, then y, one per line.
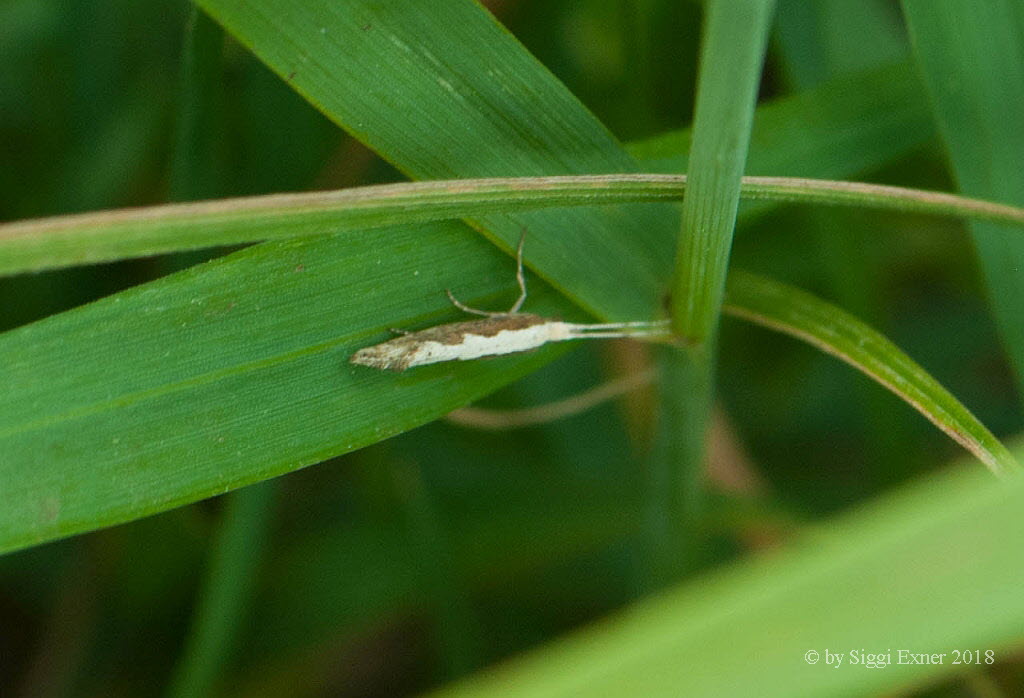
pixel 645 324
pixel 613 330
pixel 653 336
pixel 520 277
pixel 465 308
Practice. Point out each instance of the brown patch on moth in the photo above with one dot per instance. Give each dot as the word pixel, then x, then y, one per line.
pixel 455 332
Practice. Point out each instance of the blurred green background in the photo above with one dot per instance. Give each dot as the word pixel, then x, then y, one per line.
pixel 407 564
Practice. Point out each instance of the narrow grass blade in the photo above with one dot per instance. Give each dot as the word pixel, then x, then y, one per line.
pixel 933 569
pixel 235 557
pixel 675 502
pixel 735 35
pixel 197 166
pixel 832 330
pixel 107 235
pixel 732 51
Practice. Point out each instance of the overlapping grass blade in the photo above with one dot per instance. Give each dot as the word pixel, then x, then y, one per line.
pixel 107 235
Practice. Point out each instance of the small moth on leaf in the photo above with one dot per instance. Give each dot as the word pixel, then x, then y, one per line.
pixel 500 333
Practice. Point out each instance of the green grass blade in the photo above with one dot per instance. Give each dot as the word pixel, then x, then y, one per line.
pixel 877 196
pixel 232 372
pixel 735 36
pixel 227 591
pixel 197 167
pixel 972 58
pixel 675 504
pixel 732 51
pixel 108 235
pixel 931 569
pixel 827 327
pixel 443 91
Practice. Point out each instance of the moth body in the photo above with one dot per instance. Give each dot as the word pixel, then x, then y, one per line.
pixel 509 332
pixel 463 341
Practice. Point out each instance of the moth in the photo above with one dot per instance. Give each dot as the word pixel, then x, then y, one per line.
pixel 499 333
